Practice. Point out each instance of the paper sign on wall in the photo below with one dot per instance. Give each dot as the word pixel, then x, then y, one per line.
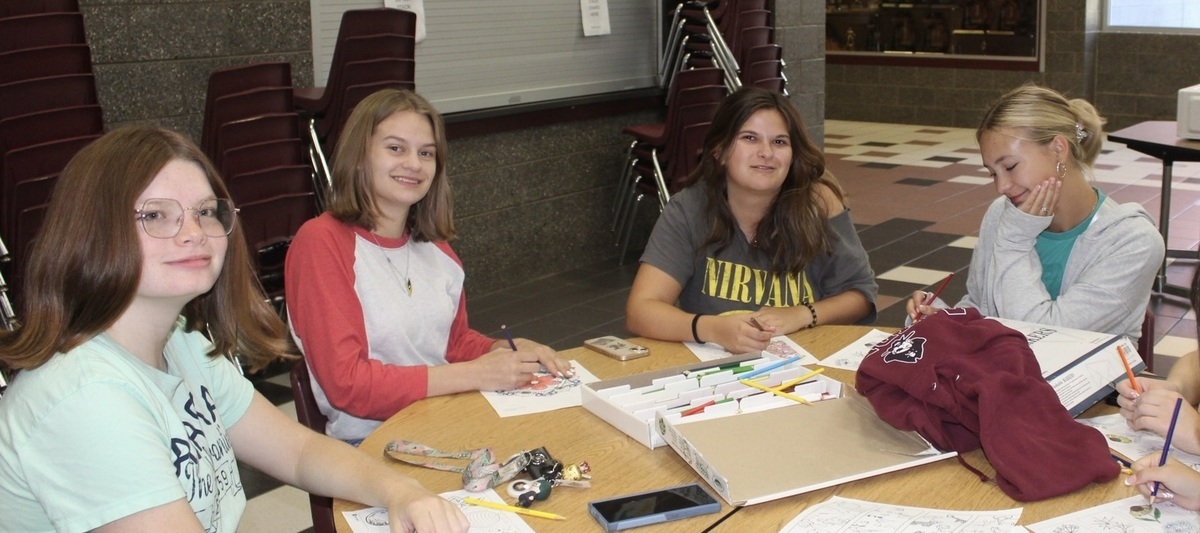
pixel 416 6
pixel 595 17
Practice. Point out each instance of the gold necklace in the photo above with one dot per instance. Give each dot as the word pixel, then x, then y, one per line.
pixel 407 282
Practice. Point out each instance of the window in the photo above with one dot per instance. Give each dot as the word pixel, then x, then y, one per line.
pixel 1177 15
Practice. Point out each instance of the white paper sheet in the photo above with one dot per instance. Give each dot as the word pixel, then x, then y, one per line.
pixel 1119 516
pixel 781 347
pixel 851 356
pixel 483 520
pixel 1135 444
pixel 416 6
pixel 595 17
pixel 547 394
pixel 843 515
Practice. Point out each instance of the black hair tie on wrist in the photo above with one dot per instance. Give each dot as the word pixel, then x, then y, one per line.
pixel 695 335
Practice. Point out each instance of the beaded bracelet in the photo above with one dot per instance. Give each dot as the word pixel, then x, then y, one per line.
pixel 812 310
pixel 695 335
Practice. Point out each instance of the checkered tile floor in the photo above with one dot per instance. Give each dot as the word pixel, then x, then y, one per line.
pixel 917 194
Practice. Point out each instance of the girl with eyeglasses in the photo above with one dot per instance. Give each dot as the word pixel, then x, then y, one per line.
pixel 126 413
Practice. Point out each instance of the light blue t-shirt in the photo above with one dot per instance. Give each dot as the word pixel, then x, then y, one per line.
pixel 95 435
pixel 1054 249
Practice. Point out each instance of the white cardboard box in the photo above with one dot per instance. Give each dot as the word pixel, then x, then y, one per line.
pixel 1082 366
pixel 761 456
pixel 596 398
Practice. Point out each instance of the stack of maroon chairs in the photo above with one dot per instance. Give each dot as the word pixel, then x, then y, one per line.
pixel 662 155
pixel 374 50
pixel 253 136
pixel 726 34
pixel 48 111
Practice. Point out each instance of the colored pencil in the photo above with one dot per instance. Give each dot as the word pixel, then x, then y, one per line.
pixel 698 408
pixel 1162 460
pixel 800 379
pixel 779 393
pixel 1125 361
pixel 511 508
pixel 770 367
pixel 933 297
pixel 756 325
pixel 508 335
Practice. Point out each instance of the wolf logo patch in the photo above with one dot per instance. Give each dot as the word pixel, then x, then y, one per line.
pixel 905 348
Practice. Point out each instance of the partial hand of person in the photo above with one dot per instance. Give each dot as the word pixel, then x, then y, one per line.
pixel 1152 411
pixel 1178 483
pixel 506 369
pixel 1126 395
pixel 425 513
pixel 736 334
pixel 1043 200
pixel 555 365
pixel 916 304
pixel 778 320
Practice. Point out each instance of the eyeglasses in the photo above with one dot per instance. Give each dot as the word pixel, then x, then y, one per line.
pixel 162 218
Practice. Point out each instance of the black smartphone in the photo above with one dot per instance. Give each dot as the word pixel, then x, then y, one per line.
pixel 652 507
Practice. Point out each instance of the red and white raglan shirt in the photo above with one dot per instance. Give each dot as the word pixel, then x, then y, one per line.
pixel 368 342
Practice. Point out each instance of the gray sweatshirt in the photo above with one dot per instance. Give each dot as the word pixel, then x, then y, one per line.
pixel 1106 283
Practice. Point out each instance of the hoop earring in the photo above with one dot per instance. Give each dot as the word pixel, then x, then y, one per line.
pixel 1061 169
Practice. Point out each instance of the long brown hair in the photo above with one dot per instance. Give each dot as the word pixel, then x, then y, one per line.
pixel 86 262
pixel 353 199
pixel 795 231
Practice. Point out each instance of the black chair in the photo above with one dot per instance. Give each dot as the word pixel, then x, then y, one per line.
pixel 310 415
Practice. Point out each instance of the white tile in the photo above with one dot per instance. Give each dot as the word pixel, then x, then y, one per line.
pixel 284 509
pixel 971 180
pixel 920 276
pixel 1173 346
pixel 965 242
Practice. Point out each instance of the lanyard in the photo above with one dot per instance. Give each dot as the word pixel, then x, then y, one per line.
pixel 480 473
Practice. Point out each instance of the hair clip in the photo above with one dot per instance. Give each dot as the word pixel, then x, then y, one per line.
pixel 1080 133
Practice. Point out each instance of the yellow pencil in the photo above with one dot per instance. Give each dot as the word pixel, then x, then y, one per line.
pixel 779 393
pixel 800 379
pixel 514 509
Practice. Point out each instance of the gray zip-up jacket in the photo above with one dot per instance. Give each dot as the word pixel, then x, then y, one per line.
pixel 1106 283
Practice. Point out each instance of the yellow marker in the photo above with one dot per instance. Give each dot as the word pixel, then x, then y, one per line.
pixel 800 379
pixel 510 508
pixel 779 393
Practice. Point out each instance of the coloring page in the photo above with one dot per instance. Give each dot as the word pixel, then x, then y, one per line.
pixel 1134 445
pixel 843 515
pixel 483 520
pixel 1130 515
pixel 543 393
pixel 781 347
pixel 851 356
